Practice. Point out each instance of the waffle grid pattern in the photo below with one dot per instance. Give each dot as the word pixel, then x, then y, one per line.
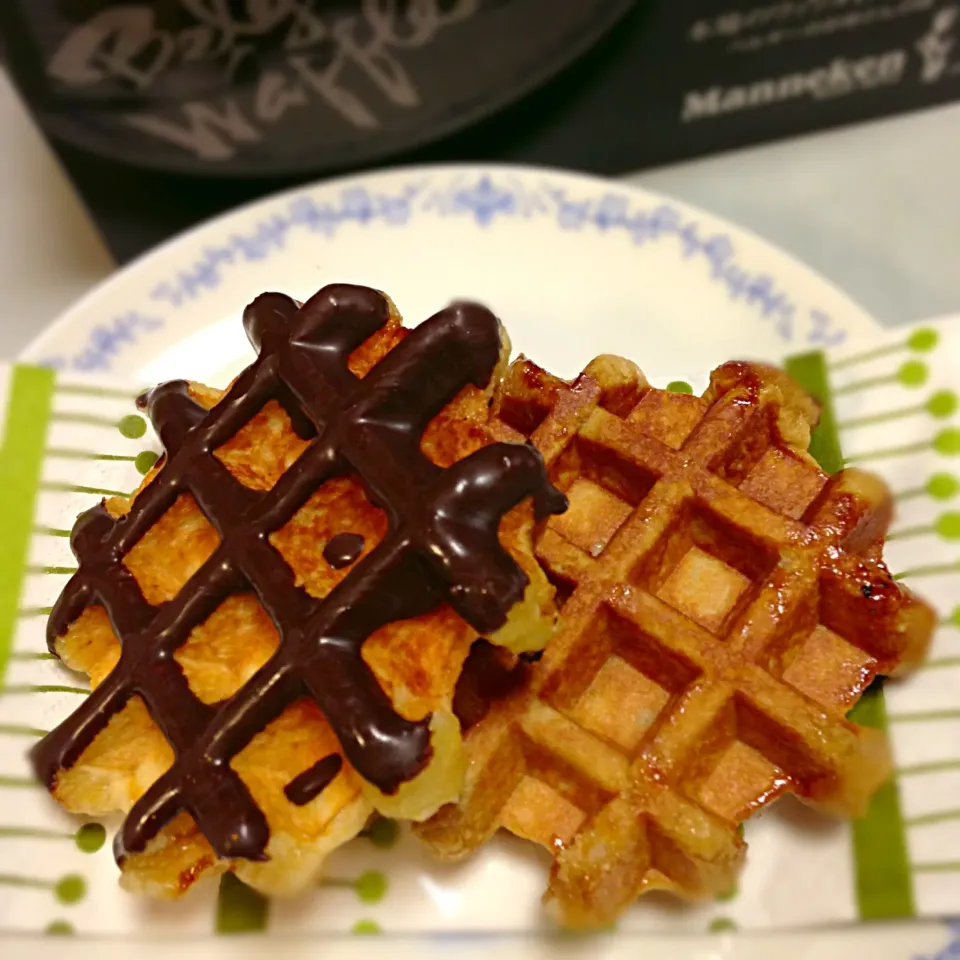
pixel 725 606
pixel 303 357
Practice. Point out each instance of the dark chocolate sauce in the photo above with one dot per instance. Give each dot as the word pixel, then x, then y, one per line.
pixel 441 546
pixel 489 676
pixel 313 781
pixel 343 549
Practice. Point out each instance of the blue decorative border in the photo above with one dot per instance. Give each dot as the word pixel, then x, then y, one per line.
pixel 105 342
pixel 952 950
pixel 486 199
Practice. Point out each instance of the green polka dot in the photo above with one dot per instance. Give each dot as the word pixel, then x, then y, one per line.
pixel 383 833
pixel 942 404
pixel 90 837
pixel 679 386
pixel 133 426
pixel 740 830
pixel 947 526
pixel 71 889
pixel 730 894
pixel 60 928
pixel 367 928
pixel 947 442
pixel 371 886
pixel 942 486
pixel 913 373
pixel 923 340
pixel 954 617
pixel 722 925
pixel 145 461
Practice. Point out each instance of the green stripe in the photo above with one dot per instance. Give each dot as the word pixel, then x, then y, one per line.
pixel 21 460
pixel 941 663
pixel 931 766
pixel 240 909
pixel 953 867
pixel 83 390
pixel 874 354
pixel 35 611
pixel 928 819
pixel 64 453
pixel 31 833
pixel 21 730
pixel 930 570
pixel 15 880
pixel 884 885
pixel 884 882
pixel 810 371
pixel 91 419
pixel 51 531
pixel 19 689
pixel 18 783
pixel 56 486
pixel 924 716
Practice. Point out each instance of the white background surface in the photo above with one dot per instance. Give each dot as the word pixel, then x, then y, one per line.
pixel 875 208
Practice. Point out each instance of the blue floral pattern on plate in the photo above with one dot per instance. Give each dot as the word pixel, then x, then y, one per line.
pixel 486 199
pixel 952 950
pixel 105 342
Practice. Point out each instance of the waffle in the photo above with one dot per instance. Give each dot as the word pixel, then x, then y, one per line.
pixel 724 604
pixel 415 660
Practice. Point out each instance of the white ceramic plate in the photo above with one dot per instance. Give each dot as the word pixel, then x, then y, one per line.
pixel 575 266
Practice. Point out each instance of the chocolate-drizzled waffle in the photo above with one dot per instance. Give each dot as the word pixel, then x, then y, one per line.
pixel 274 623
pixel 724 605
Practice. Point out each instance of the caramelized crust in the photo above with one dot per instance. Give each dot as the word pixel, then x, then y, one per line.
pixel 724 606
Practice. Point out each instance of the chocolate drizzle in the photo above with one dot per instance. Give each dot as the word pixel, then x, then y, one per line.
pixel 441 546
pixel 343 549
pixel 313 781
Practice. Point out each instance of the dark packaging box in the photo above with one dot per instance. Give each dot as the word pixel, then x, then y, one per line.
pixel 671 80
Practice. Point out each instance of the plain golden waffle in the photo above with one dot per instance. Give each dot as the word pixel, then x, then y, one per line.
pixel 416 661
pixel 725 605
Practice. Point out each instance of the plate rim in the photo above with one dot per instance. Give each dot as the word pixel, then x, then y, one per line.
pixel 597 185
pixel 888 940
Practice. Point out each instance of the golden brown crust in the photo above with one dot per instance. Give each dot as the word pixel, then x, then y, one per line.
pixel 725 605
